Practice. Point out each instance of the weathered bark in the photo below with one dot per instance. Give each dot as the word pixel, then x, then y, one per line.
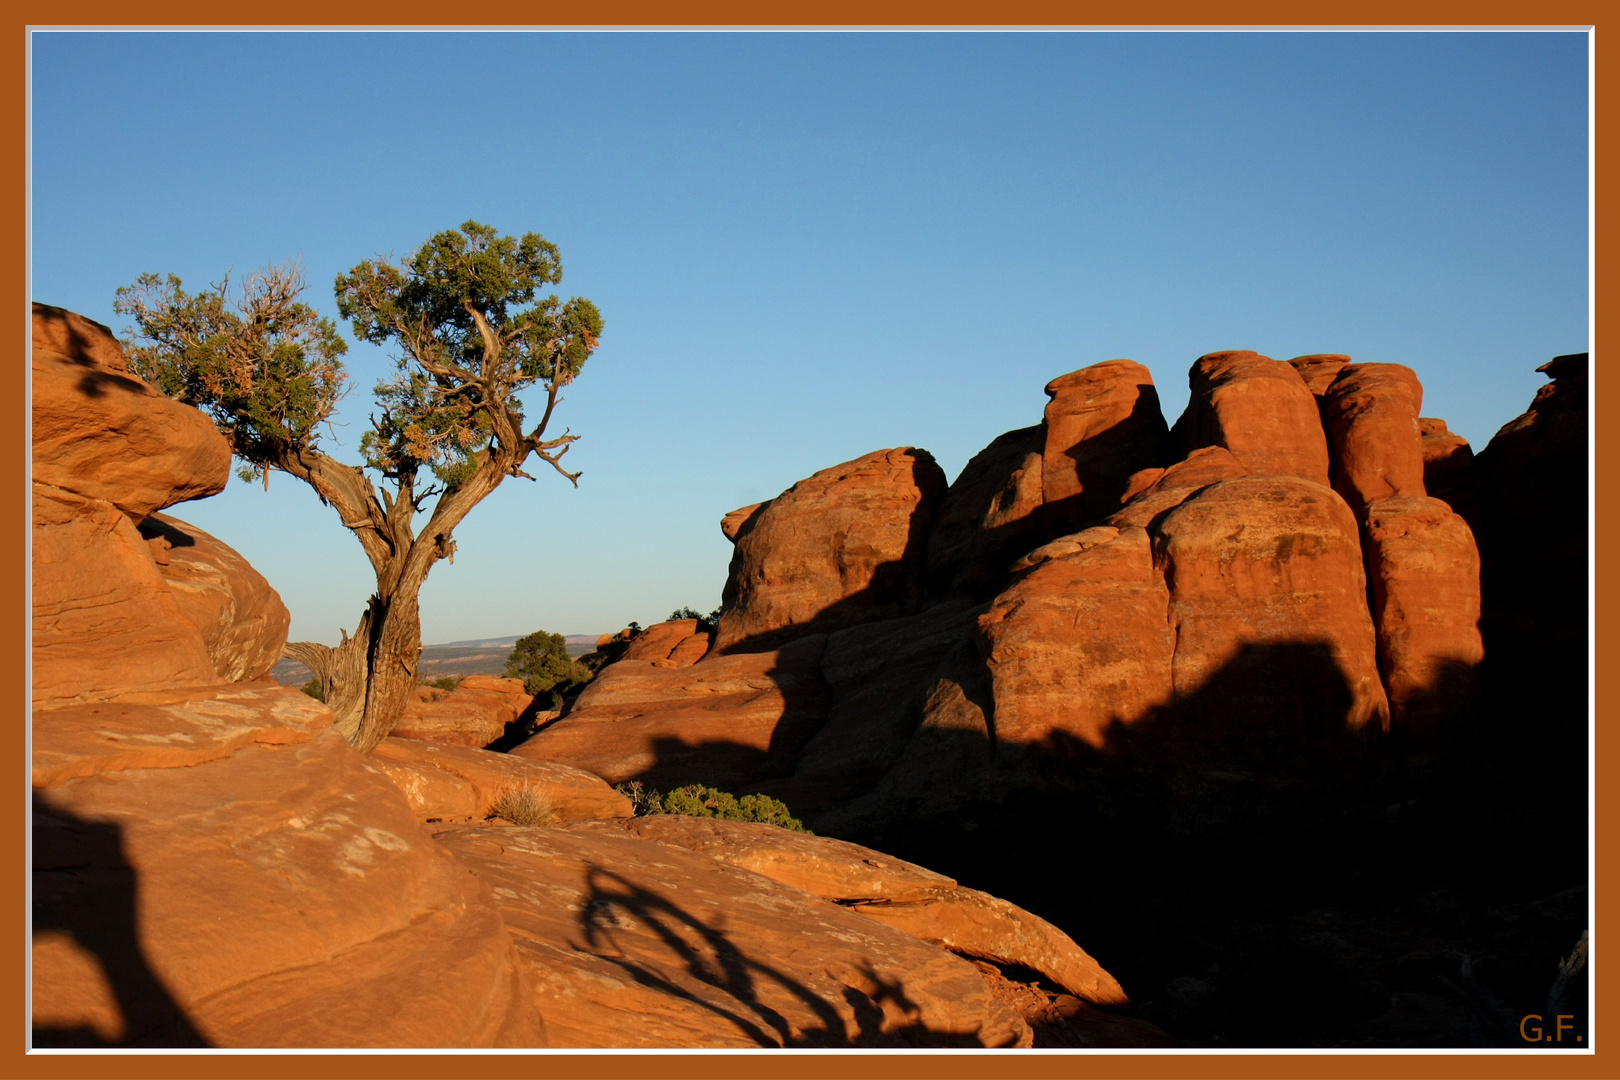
pixel 368 678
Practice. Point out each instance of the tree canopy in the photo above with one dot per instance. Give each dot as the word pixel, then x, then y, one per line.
pixel 471 331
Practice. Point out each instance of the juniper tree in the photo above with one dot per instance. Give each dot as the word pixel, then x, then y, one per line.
pixel 471 336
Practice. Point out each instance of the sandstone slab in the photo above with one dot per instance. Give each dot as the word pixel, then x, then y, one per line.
pixel 640 944
pixel 475 713
pixel 729 722
pixel 1165 489
pixel 281 897
pixel 443 781
pixel 926 905
pixel 170 730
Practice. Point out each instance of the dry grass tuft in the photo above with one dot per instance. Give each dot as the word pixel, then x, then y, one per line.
pixel 524 805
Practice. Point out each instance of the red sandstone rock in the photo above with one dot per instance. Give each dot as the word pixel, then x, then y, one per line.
pixel 1425 577
pixel 100 432
pixel 734 523
pixel 241 618
pixel 170 729
pixel 104 620
pixel 1319 370
pixel 1448 468
pixel 1268 606
pixel 926 905
pixel 474 714
pixel 640 944
pixel 282 896
pixel 1080 643
pixel 689 651
pixel 729 722
pixel 845 546
pixel 989 515
pixel 1102 424
pixel 659 640
pixel 1258 408
pixel 456 781
pixel 1175 485
pixel 876 676
pixel 1371 415
pixel 69 334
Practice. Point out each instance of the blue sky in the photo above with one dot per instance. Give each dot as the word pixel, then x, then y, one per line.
pixel 810 246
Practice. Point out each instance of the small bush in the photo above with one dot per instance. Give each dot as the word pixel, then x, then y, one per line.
pixel 695 800
pixel 449 682
pixel 541 660
pixel 313 689
pixel 522 804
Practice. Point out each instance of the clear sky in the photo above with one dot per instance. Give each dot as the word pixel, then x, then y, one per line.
pixel 810 246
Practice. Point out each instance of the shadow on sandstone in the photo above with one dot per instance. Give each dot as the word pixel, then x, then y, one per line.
pixel 1247 845
pixel 1254 871
pixel 707 954
pixel 86 890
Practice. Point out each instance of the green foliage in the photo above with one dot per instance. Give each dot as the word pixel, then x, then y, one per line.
pixel 261 364
pixel 449 682
pixel 706 623
pixel 695 800
pixel 462 308
pixel 541 660
pixel 524 805
pixel 313 689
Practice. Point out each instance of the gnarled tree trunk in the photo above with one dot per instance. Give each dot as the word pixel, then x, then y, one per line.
pixel 368 678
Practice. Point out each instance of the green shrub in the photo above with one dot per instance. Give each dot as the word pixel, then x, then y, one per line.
pixel 313 689
pixel 523 805
pixel 449 682
pixel 541 660
pixel 695 800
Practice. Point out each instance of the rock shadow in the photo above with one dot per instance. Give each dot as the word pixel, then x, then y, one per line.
pixel 86 889
pixel 1106 461
pixel 706 953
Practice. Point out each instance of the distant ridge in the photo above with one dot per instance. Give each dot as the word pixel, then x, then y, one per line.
pixel 509 640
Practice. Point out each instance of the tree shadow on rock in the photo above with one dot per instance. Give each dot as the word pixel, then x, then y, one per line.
pixel 704 953
pixel 86 889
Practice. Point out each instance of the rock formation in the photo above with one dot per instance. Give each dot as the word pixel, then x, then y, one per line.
pixel 1258 408
pixel 1425 577
pixel 988 517
pixel 479 711
pixel 846 545
pixel 728 721
pixel 242 620
pixel 101 433
pixel 214 865
pixel 1448 468
pixel 1102 424
pixel 1371 414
